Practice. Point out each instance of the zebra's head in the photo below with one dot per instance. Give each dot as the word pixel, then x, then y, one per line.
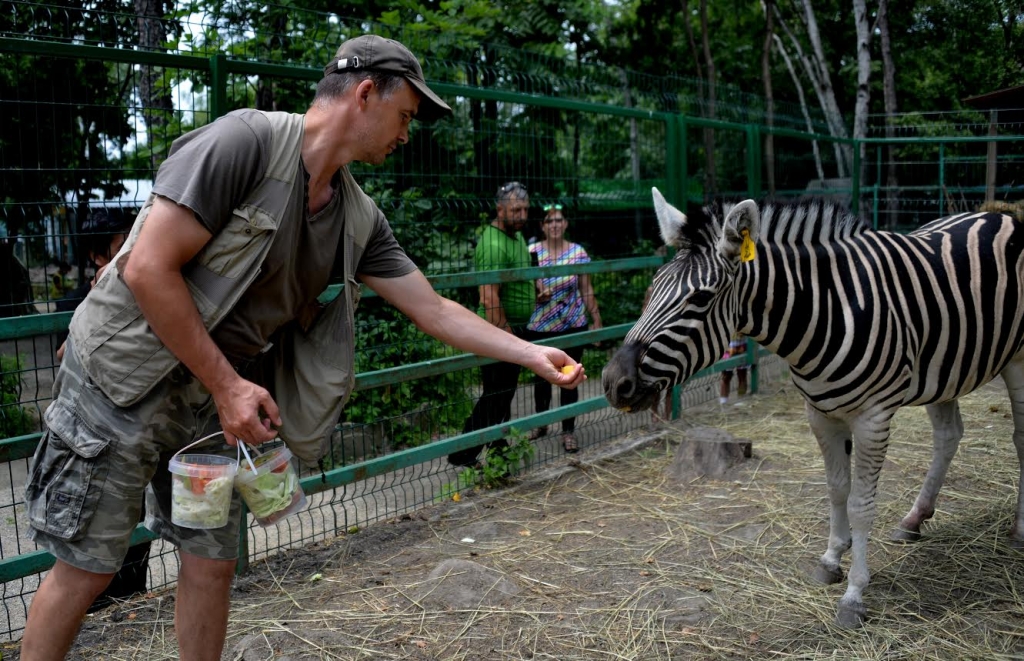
pixel 692 309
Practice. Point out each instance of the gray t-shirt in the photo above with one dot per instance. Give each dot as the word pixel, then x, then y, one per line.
pixel 211 170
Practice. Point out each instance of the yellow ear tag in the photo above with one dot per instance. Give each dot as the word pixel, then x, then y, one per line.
pixel 747 249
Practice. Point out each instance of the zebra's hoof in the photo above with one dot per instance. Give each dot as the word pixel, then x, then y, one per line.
pixel 826 575
pixel 905 535
pixel 851 615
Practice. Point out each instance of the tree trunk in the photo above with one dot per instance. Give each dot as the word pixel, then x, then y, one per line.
pixel 860 114
pixel 689 36
pixel 711 186
pixel 698 63
pixel 157 105
pixel 816 69
pixel 803 104
pixel 769 99
pixel 889 97
pixel 634 154
pixel 265 97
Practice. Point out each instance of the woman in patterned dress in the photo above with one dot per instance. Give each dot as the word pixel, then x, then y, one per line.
pixel 563 304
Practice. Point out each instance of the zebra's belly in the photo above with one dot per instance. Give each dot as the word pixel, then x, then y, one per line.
pixel 846 398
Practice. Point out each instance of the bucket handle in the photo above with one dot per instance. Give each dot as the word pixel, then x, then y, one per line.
pixel 238 449
pixel 241 445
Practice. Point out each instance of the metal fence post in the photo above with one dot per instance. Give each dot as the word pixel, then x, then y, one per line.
pixel 676 156
pixel 878 182
pixel 942 178
pixel 752 361
pixel 218 85
pixel 855 179
pixel 243 543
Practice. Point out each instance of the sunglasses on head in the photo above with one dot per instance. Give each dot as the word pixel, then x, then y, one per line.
pixel 549 207
pixel 511 186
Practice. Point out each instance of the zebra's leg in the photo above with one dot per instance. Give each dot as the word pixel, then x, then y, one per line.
pixel 834 441
pixel 871 441
pixel 947 430
pixel 1013 375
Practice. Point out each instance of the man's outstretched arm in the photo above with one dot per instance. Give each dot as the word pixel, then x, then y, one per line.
pixel 461 328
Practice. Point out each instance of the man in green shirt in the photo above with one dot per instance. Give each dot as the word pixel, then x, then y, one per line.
pixel 507 306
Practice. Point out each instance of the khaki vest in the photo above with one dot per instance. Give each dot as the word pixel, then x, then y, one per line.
pixel 313 369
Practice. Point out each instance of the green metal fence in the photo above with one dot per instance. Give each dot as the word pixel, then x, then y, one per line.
pixel 81 136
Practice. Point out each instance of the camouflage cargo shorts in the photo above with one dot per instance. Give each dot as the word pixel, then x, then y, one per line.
pixel 92 467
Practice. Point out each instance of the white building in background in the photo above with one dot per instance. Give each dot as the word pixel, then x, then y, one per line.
pixel 59 230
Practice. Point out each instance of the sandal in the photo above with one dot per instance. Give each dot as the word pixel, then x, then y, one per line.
pixel 537 432
pixel 569 443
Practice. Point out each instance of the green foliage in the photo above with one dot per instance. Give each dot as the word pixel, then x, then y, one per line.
pixel 417 411
pixel 15 420
pixel 501 464
pixel 61 117
pixel 621 293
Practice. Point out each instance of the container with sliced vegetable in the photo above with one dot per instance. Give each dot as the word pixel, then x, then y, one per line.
pixel 272 492
pixel 201 486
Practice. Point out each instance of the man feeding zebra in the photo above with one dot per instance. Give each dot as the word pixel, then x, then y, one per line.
pixel 868 322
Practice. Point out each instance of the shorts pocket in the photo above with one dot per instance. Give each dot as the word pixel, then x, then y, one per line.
pixel 69 471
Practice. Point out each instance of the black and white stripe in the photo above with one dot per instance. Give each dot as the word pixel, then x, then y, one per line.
pixel 868 322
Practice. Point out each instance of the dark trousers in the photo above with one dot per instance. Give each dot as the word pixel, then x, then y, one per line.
pixel 542 389
pixel 494 407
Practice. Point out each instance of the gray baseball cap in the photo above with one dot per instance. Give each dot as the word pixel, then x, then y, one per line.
pixel 373 53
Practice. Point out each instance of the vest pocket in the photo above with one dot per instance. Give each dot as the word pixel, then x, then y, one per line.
pixel 67 477
pixel 230 254
pixel 124 344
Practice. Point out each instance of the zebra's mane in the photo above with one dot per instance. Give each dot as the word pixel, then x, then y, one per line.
pixel 815 220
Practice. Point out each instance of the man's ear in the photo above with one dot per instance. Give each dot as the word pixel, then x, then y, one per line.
pixel 363 91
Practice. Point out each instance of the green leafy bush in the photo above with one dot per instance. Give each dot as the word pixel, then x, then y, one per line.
pixel 501 464
pixel 414 412
pixel 15 420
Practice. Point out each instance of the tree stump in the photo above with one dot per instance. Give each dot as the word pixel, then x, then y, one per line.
pixel 707 452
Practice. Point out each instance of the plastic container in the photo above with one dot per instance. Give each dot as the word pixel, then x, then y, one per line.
pixel 201 489
pixel 273 491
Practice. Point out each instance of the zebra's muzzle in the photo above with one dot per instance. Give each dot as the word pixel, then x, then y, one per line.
pixel 621 380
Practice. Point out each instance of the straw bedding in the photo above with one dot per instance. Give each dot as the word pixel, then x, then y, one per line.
pixel 609 558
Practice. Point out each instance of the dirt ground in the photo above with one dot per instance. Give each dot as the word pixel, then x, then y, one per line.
pixel 607 557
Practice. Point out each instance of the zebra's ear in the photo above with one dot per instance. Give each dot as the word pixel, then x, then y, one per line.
pixel 745 216
pixel 670 219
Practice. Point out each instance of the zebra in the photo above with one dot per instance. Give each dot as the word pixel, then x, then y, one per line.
pixel 868 321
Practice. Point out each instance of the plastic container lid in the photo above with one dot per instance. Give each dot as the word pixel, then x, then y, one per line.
pixel 202 465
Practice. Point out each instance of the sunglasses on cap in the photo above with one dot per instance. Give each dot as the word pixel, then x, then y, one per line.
pixel 549 207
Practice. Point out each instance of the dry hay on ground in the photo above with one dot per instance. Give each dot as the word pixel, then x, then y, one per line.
pixel 611 560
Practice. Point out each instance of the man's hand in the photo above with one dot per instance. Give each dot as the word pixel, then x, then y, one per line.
pixel 555 366
pixel 246 411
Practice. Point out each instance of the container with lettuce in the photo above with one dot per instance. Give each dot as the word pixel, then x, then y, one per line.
pixel 201 489
pixel 273 491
